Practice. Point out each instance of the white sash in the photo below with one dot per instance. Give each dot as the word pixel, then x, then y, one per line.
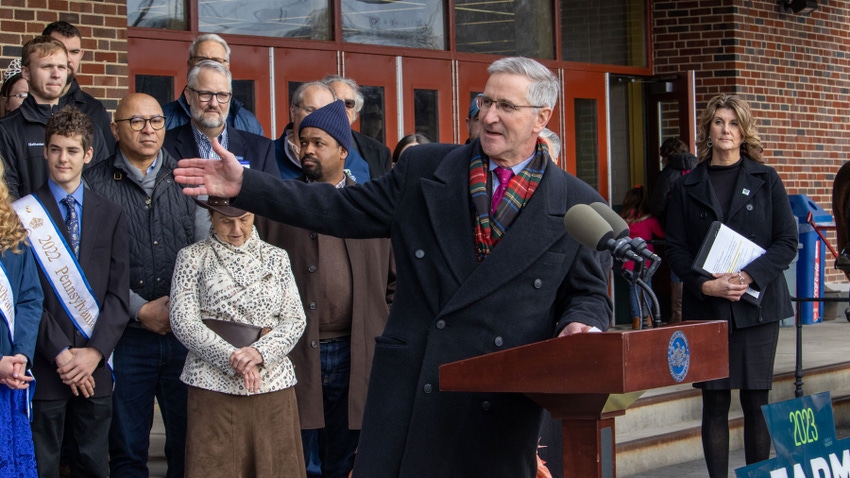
pixel 7 302
pixel 59 264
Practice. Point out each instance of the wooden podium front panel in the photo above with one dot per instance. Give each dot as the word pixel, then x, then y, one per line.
pixel 610 362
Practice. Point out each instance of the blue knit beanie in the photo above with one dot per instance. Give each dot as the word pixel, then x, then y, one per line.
pixel 332 120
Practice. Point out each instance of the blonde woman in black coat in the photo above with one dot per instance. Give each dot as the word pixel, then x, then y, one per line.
pixel 731 184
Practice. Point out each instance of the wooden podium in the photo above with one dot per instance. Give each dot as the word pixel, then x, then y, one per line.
pixel 588 379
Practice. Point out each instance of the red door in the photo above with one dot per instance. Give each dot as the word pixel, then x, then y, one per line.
pixel 427 90
pixel 585 141
pixel 376 76
pixel 291 69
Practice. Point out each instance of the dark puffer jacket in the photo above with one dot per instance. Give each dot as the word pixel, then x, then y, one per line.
pixel 677 165
pixel 160 224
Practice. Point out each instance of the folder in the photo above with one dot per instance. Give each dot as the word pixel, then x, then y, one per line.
pixel 723 251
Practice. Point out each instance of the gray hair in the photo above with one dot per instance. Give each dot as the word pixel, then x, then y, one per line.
pixel 210 65
pixel 543 90
pixel 298 96
pixel 553 139
pixel 358 97
pixel 209 37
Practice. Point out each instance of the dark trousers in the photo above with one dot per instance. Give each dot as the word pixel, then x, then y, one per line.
pixel 147 365
pixel 336 442
pixel 88 420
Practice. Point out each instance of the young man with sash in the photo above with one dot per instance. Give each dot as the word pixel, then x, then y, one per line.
pixel 80 242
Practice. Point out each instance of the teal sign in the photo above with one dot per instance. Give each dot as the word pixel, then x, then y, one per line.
pixel 803 433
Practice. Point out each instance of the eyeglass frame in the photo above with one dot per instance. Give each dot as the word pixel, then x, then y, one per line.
pixel 202 93
pixel 501 105
pixel 146 121
pixel 20 96
pixel 198 59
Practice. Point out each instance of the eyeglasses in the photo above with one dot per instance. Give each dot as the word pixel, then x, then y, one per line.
pixel 349 104
pixel 198 59
pixel 137 123
pixel 307 109
pixel 20 96
pixel 484 103
pixel 206 96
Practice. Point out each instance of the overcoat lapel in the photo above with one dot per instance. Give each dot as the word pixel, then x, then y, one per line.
pixel 527 239
pixel 447 200
pixel 745 187
pixel 700 190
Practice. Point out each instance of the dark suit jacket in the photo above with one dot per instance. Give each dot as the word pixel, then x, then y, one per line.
pixel 376 154
pixel 373 285
pixel 449 307
pixel 104 258
pixel 760 211
pixel 258 150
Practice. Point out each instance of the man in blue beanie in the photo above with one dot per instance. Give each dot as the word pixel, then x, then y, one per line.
pixel 347 287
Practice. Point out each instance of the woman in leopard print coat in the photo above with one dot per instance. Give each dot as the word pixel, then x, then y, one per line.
pixel 242 413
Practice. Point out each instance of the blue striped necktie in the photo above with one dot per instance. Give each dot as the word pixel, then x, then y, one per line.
pixel 72 222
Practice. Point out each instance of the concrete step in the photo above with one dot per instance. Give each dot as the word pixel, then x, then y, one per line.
pixel 663 427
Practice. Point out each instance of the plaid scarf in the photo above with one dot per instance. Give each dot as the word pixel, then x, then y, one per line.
pixel 489 230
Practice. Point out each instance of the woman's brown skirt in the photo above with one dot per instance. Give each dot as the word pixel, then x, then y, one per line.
pixel 239 436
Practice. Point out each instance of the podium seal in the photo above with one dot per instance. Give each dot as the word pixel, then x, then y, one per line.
pixel 678 356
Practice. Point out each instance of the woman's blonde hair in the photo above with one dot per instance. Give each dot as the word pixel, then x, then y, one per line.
pixel 12 232
pixel 751 144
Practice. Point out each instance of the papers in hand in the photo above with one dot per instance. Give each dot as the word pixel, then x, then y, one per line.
pixel 724 251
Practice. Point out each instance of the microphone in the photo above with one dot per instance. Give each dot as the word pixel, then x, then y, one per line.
pixel 593 231
pixel 618 224
pixel 621 231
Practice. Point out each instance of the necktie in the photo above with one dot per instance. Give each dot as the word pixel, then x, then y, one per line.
pixel 504 175
pixel 72 222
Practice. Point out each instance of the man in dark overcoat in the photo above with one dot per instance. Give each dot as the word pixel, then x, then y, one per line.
pixel 483 264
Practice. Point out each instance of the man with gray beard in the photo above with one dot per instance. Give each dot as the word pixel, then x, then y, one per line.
pixel 209 93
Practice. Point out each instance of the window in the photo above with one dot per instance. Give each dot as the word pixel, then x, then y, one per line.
pixel 308 19
pixel 160 87
pixel 505 28
pixel 426 113
pixel 403 23
pixel 168 14
pixel 587 140
pixel 611 32
pixel 243 91
pixel 372 114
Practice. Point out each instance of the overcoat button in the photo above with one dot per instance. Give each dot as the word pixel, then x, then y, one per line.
pixel 311 269
pixel 312 306
pixel 749 207
pixel 702 215
pixel 441 324
pixel 313 344
pixel 313 235
pixel 499 342
pixel 427 388
pixel 419 253
pixel 538 283
pixel 485 406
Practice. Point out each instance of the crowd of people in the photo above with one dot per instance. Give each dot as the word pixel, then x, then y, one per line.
pixel 288 302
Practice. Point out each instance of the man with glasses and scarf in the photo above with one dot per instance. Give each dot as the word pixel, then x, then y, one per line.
pixel 484 264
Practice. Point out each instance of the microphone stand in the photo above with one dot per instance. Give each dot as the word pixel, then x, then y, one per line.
pixel 638 277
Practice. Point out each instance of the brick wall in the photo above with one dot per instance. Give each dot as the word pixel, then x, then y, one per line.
pixel 793 69
pixel 103 24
